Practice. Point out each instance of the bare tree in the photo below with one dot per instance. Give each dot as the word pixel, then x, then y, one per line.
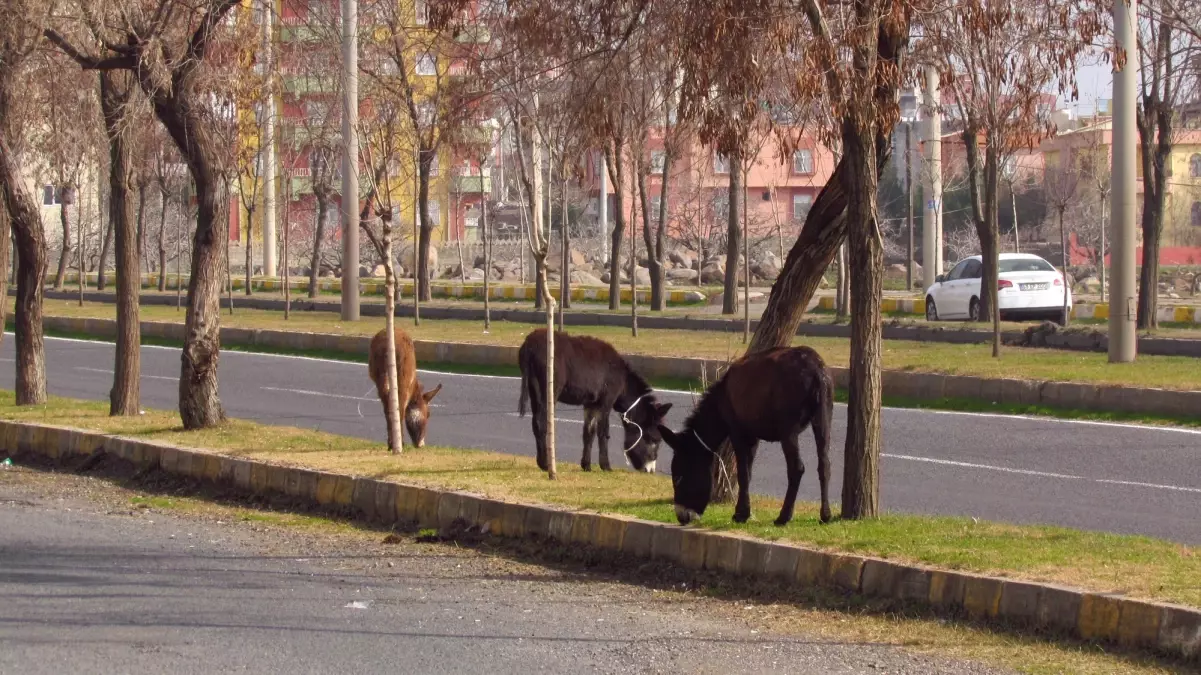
pixel 21 24
pixel 168 58
pixel 1062 191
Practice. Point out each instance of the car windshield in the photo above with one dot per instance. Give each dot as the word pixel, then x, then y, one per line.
pixel 1024 265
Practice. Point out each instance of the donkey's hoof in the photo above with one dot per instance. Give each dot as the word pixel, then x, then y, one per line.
pixel 825 517
pixel 606 467
pixel 585 467
pixel 782 520
pixel 742 517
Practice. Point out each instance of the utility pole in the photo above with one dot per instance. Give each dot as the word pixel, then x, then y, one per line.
pixel 909 200
pixel 604 206
pixel 350 161
pixel 932 183
pixel 1122 338
pixel 268 139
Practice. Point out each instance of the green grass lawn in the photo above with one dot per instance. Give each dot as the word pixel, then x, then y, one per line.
pixel 1138 566
pixel 1036 364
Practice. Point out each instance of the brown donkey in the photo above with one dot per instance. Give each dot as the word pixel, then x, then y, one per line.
pixel 767 396
pixel 414 404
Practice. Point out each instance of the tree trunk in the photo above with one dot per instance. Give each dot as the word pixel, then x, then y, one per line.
pixel 162 246
pixel 25 220
pixel 315 265
pixel 980 220
pixel 102 266
pixel 729 304
pixel 552 469
pixel 1154 201
pixel 658 271
pixel 991 252
pixel 125 396
pixel 653 265
pixel 60 278
pixel 141 231
pixel 422 275
pixel 1063 247
pixel 861 477
pixel 564 230
pixel 810 257
pixel 842 293
pixel 616 166
pixel 199 405
pixel 487 259
pixel 249 250
pixel 634 267
pixel 395 431
pixel 5 253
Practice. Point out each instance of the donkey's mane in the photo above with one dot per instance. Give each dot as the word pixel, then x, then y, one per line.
pixel 706 407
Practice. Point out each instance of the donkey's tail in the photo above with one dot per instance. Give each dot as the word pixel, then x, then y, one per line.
pixel 524 402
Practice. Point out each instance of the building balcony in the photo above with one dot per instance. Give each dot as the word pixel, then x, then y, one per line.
pixel 474 35
pixel 300 85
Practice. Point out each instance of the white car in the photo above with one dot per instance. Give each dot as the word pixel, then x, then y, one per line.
pixel 1028 287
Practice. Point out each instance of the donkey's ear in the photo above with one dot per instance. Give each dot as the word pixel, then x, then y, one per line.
pixel 661 409
pixel 429 395
pixel 669 436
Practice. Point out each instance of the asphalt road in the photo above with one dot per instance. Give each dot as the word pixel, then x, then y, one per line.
pixel 89 585
pixel 1110 477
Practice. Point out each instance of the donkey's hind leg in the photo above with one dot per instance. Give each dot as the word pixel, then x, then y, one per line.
pixel 744 459
pixel 590 420
pixel 796 469
pixel 538 419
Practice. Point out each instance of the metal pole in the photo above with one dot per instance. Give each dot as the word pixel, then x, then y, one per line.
pixel 269 239
pixel 909 200
pixel 604 206
pixel 350 161
pixel 932 183
pixel 1122 338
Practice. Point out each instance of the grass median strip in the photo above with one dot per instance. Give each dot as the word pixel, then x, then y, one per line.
pixel 1137 566
pixel 1035 364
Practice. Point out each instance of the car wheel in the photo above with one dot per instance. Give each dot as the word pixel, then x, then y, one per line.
pixel 931 309
pixel 973 310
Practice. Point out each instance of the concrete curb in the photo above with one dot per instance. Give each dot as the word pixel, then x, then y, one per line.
pixel 1067 341
pixel 1103 618
pixel 438 289
pixel 921 386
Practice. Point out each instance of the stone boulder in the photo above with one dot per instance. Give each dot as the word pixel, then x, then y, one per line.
pixel 713 273
pixel 583 278
pixel 379 272
pixel 477 274
pixel 683 274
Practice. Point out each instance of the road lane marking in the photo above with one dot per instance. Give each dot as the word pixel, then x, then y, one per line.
pixel 557 419
pixel 309 392
pixel 988 467
pixel 107 371
pixel 1041 474
pixel 1150 485
pixel 929 411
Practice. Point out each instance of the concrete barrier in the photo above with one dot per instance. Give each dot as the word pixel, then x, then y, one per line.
pixel 1102 618
pixel 921 386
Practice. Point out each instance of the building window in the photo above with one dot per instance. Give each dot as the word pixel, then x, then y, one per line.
pixel 427 64
pixel 658 159
pixel 1194 166
pixel 655 203
pixel 425 114
pixel 433 211
pixel 721 163
pixel 51 196
pixel 802 162
pixel 800 206
pixel 721 207
pixel 1196 219
pixel 421 12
